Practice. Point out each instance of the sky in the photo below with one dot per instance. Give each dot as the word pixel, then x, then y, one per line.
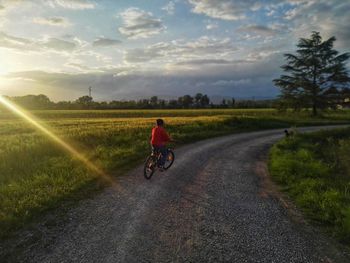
pixel 134 49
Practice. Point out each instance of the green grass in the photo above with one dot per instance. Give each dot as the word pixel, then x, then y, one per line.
pixel 36 175
pixel 314 169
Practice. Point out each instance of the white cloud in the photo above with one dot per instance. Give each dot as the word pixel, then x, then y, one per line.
pixel 169 8
pixel 211 25
pixel 208 46
pixel 139 24
pixel 270 11
pixel 237 9
pixel 204 48
pixel 25 45
pixel 52 21
pixel 58 44
pixel 330 18
pixel 105 42
pixel 12 42
pixel 231 82
pixel 78 66
pixel 291 14
pixel 221 9
pixel 71 4
pixel 4 4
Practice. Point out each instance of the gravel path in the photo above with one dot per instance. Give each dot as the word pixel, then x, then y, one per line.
pixel 211 206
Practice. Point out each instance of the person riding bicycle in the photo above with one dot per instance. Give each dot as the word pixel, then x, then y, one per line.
pixel 159 139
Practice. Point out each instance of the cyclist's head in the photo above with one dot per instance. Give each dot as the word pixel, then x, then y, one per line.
pixel 160 122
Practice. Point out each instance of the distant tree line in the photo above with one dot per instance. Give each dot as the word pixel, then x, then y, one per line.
pixel 198 101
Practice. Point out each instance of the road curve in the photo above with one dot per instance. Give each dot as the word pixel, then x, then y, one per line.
pixel 211 206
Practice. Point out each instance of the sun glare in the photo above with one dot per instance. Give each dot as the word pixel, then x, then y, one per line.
pixel 3 71
pixel 45 130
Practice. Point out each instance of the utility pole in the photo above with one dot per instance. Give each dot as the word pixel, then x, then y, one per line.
pixel 90 89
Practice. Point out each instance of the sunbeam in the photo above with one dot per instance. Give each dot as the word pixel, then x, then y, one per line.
pixel 75 153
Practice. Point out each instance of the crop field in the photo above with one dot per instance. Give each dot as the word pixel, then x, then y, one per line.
pixel 36 174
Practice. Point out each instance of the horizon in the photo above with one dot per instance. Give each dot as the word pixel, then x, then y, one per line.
pixel 133 49
pixel 215 99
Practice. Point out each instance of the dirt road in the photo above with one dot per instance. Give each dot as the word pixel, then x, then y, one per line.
pixel 213 205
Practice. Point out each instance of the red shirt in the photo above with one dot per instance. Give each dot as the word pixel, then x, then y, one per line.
pixel 159 136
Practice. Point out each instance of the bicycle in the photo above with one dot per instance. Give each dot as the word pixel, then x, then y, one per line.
pixel 152 162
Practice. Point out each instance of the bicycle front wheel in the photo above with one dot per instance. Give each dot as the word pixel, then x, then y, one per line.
pixel 169 160
pixel 149 168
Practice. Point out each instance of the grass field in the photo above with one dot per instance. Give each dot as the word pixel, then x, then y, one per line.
pixel 314 169
pixel 36 175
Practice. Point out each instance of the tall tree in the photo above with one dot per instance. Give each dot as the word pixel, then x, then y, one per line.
pixel 233 101
pixel 84 101
pixel 314 74
pixel 33 101
pixel 197 98
pixel 223 103
pixel 204 102
pixel 154 101
pixel 173 104
pixel 185 101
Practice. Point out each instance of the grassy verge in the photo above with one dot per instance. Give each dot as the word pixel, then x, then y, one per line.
pixel 36 175
pixel 314 169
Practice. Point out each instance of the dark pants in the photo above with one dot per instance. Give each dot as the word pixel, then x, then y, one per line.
pixel 164 151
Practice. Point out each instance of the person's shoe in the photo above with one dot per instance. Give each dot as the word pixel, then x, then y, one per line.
pixel 161 168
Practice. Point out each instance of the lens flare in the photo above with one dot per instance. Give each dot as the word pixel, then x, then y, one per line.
pixel 71 150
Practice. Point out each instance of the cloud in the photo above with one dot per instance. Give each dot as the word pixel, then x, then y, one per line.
pixel 223 9
pixel 52 21
pixel 207 45
pixel 71 4
pixel 169 8
pixel 291 14
pixel 237 9
pixel 258 29
pixel 211 25
pixel 226 78
pixel 24 44
pixel 105 42
pixel 233 82
pixel 12 42
pixel 138 55
pixel 330 18
pixel 115 70
pixel 59 44
pixel 177 63
pixel 180 50
pixel 139 24
pixel 78 66
pixel 204 62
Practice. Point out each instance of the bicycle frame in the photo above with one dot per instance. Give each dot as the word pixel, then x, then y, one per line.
pixel 158 154
pixel 152 162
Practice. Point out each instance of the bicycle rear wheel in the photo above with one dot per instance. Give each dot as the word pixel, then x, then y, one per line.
pixel 169 160
pixel 150 166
